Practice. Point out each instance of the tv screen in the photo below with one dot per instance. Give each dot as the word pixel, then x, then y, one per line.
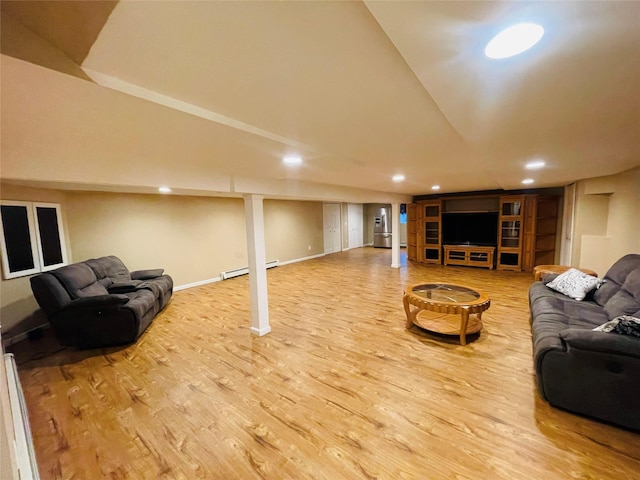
pixel 470 228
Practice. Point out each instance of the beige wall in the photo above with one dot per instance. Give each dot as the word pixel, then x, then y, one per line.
pixel 192 238
pixel 293 230
pixel 17 305
pixel 368 213
pixel 607 220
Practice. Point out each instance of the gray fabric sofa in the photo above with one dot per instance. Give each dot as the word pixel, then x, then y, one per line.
pixel 99 303
pixel 592 373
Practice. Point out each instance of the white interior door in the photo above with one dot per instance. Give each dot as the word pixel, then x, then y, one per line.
pixel 332 233
pixel 355 225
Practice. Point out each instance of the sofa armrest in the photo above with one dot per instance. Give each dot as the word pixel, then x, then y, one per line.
pixel 605 342
pixel 98 301
pixel 147 274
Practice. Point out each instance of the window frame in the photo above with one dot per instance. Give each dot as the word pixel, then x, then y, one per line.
pixel 35 236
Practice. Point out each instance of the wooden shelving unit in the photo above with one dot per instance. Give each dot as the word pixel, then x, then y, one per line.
pixel 527 228
pixel 541 219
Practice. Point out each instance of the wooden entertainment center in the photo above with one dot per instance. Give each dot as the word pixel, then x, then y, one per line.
pixel 526 230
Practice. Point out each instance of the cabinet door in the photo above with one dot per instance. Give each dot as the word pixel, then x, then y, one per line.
pixel 431 232
pixel 529 232
pixel 412 232
pixel 530 204
pixel 510 233
pixel 431 210
pixel 411 212
pixel 511 207
pixel 528 251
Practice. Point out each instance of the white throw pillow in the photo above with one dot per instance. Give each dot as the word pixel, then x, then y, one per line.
pixel 574 283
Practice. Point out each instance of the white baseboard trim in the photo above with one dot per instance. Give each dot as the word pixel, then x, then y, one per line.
pixel 260 331
pixel 218 279
pixel 296 260
pixel 196 284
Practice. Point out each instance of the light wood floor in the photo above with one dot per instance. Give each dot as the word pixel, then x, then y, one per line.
pixel 338 390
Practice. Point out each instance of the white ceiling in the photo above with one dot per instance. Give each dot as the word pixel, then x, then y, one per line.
pixel 208 96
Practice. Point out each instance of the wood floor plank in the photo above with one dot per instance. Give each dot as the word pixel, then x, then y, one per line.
pixel 338 389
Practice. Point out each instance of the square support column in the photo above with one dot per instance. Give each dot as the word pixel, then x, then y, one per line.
pixel 395 235
pixel 254 215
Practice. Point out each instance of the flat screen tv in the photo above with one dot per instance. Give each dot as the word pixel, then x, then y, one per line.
pixel 478 228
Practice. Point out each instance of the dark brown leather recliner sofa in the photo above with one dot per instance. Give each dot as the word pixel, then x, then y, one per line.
pixel 589 372
pixel 99 303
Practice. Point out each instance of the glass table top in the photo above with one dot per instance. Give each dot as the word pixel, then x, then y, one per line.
pixel 444 292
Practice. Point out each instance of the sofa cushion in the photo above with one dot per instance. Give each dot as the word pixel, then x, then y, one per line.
pixel 79 281
pixel 140 302
pixel 100 270
pixel 620 270
pixel 115 269
pixel 615 277
pixel 574 283
pixel 98 301
pixel 542 299
pixel 585 315
pixel 626 301
pixel 604 293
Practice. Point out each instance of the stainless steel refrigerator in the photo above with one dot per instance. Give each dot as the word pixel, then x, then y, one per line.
pixel 382 228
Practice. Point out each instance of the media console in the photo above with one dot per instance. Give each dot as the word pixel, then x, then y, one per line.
pixel 470 255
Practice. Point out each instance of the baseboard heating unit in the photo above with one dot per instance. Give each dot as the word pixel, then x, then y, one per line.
pixel 25 457
pixel 243 271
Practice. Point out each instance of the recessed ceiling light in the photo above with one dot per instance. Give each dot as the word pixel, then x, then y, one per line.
pixel 292 160
pixel 535 164
pixel 435 187
pixel 514 40
pixel 398 178
pixel 527 181
pixel 164 190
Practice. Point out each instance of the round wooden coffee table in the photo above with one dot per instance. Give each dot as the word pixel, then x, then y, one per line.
pixel 448 299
